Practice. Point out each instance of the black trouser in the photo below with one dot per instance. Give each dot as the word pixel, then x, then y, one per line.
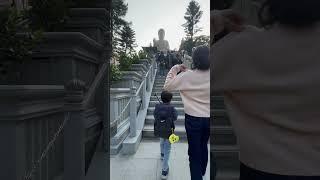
pixel 247 173
pixel 198 133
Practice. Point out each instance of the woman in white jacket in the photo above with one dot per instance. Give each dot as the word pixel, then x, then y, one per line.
pixel 194 87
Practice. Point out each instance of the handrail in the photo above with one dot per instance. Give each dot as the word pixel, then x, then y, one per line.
pixel 44 153
pixel 120 117
pixel 91 92
pixel 124 109
pixel 141 85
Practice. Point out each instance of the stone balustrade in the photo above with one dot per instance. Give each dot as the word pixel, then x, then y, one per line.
pixel 128 98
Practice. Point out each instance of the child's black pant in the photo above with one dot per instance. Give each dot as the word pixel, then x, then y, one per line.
pixel 198 133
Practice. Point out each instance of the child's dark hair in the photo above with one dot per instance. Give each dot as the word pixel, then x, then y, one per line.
pixel 166 96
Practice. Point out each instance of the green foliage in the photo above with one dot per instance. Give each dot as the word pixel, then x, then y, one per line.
pixel 201 40
pixel 187 45
pixel 135 58
pixel 192 17
pixel 127 38
pixel 119 10
pixel 116 74
pixel 14 46
pixel 142 54
pixel 125 62
pixel 49 15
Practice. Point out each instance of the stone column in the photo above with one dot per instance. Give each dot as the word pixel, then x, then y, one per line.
pixel 133 112
pixel 113 115
pixel 74 132
pixel 144 89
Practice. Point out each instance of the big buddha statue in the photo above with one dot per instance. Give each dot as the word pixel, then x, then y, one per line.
pixel 161 44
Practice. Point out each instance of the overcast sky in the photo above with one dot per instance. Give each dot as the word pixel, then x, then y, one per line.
pixel 148 16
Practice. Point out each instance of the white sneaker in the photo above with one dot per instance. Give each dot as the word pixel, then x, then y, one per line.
pixel 203 177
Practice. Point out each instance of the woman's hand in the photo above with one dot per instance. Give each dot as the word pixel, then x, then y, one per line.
pixel 183 68
pixel 226 20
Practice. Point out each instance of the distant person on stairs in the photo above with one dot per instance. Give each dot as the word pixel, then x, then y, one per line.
pixel 161 64
pixel 194 87
pixel 165 115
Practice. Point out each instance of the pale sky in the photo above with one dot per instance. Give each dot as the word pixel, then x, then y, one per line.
pixel 148 16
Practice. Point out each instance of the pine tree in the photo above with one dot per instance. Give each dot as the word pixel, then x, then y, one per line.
pixel 192 17
pixel 119 10
pixel 127 38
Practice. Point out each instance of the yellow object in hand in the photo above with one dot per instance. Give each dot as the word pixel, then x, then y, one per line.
pixel 173 138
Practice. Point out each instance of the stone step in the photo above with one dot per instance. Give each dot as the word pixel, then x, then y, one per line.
pixel 223 135
pixel 180 111
pixel 160 79
pixel 226 157
pixel 217 102
pixel 159 82
pixel 178 122
pixel 158 92
pixel 220 117
pixel 176 104
pixel 158 87
pixel 174 98
pixel 227 175
pixel 148 132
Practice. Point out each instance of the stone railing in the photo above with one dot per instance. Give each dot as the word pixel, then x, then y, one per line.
pixel 51 131
pixel 125 105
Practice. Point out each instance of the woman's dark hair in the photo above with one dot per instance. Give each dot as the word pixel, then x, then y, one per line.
pixel 166 96
pixel 296 13
pixel 200 58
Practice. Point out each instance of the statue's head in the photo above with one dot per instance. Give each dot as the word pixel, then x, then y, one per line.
pixel 161 34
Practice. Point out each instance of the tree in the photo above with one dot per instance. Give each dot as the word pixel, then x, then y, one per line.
pixel 201 40
pixel 192 17
pixel 187 44
pixel 127 38
pixel 119 10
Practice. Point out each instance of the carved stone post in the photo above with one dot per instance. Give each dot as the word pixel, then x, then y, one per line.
pixel 113 115
pixel 74 132
pixel 133 112
pixel 144 92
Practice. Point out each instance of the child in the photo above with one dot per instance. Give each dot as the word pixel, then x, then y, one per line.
pixel 165 115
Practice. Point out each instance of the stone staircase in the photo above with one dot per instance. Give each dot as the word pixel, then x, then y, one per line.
pixel 223 142
pixel 147 132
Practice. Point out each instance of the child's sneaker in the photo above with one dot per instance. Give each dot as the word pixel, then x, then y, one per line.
pixel 164 174
pixel 162 156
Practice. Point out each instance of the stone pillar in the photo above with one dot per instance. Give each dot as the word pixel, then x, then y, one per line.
pixel 133 112
pixel 74 132
pixel 144 90
pixel 113 115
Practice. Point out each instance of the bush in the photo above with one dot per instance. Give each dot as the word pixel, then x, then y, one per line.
pixel 49 15
pixel 135 58
pixel 116 74
pixel 13 46
pixel 142 54
pixel 125 62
